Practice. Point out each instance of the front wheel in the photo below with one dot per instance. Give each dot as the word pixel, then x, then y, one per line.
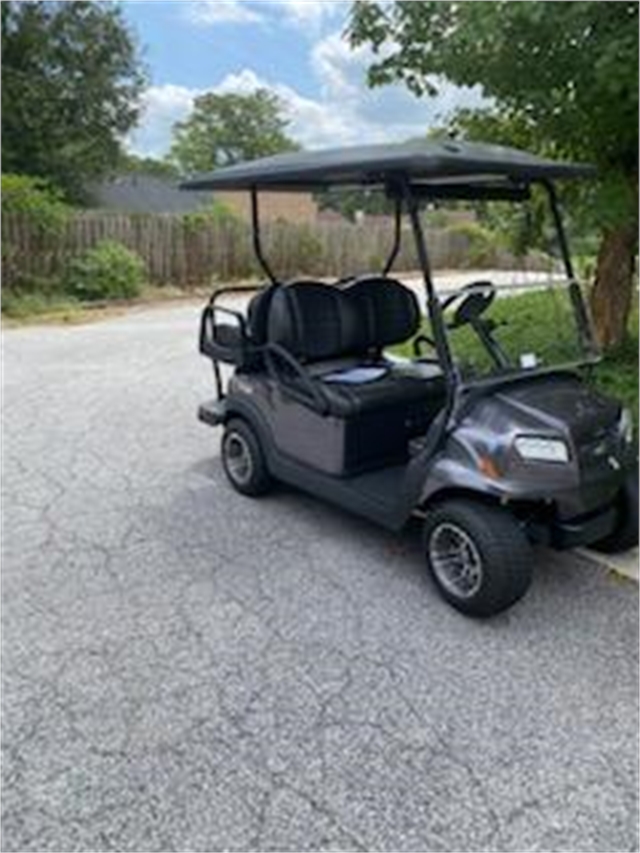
pixel 243 459
pixel 478 556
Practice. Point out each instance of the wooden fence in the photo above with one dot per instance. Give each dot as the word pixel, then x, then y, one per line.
pixel 187 252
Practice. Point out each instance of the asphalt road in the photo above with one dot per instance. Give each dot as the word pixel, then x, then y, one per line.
pixel 187 669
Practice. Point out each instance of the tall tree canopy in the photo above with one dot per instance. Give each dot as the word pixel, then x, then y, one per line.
pixel 563 79
pixel 226 129
pixel 71 80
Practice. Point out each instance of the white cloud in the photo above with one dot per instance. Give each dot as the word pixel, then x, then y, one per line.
pixel 307 15
pixel 312 123
pixel 387 112
pixel 211 12
pixel 346 112
pixel 162 107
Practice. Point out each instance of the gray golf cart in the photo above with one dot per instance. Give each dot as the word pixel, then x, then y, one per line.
pixel 511 449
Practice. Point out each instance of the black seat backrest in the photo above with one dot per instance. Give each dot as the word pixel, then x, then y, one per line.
pixel 389 310
pixel 258 314
pixel 314 321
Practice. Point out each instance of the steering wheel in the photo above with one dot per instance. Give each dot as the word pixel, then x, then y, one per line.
pixel 474 299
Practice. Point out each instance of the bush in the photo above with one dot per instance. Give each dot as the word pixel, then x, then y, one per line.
pixel 309 258
pixel 213 214
pixel 483 244
pixel 436 219
pixel 37 200
pixel 40 208
pixel 108 271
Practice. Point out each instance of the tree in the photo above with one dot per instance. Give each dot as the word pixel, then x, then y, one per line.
pixel 226 129
pixel 563 79
pixel 133 164
pixel 71 80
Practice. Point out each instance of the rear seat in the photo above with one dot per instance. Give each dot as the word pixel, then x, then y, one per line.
pixel 332 331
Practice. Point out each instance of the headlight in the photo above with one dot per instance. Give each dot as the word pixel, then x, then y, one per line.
pixel 538 449
pixel 625 426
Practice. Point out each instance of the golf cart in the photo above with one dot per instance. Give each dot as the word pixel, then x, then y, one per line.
pixel 511 449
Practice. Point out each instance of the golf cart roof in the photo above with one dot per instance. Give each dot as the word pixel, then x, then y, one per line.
pixel 433 164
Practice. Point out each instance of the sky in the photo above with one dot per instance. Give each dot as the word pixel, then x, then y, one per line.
pixel 294 47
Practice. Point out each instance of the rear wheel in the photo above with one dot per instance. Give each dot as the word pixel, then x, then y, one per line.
pixel 243 459
pixel 478 556
pixel 625 533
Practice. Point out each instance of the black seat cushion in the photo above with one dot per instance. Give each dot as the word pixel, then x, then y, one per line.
pixel 396 388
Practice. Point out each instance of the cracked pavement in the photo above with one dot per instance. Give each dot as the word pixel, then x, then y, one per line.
pixel 188 669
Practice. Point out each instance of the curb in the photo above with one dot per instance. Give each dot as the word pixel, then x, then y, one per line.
pixel 624 564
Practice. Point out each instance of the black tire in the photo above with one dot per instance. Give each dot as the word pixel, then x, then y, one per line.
pixel 243 459
pixel 625 533
pixel 495 548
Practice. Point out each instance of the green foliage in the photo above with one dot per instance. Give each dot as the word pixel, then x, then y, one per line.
pixel 131 163
pixel 617 373
pixel 522 227
pixel 108 271
pixel 46 215
pixel 217 212
pixel 20 306
pixel 436 218
pixel 483 243
pixel 71 81
pixel 37 200
pixel 293 250
pixel 543 323
pixel 349 201
pixel 309 254
pixel 563 81
pixel 230 128
pixel 563 75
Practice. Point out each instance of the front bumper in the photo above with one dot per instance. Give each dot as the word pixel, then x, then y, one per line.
pixel 573 532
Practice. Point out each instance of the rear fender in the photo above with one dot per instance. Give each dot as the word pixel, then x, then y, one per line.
pixel 243 407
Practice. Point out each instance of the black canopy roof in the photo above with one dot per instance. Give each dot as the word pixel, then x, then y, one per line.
pixel 420 161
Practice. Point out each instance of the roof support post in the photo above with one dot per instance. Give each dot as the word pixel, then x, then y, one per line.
pixel 397 236
pixel 255 229
pixel 575 294
pixel 433 304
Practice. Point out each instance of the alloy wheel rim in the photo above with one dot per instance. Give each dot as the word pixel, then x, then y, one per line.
pixel 455 560
pixel 238 458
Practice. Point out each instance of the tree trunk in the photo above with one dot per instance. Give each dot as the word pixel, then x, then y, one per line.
pixel 611 294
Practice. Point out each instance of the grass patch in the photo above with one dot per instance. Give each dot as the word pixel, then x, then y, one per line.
pixel 36 308
pixel 542 322
pixel 26 306
pixel 56 307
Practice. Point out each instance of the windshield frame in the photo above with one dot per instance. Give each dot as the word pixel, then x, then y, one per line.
pixel 412 195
